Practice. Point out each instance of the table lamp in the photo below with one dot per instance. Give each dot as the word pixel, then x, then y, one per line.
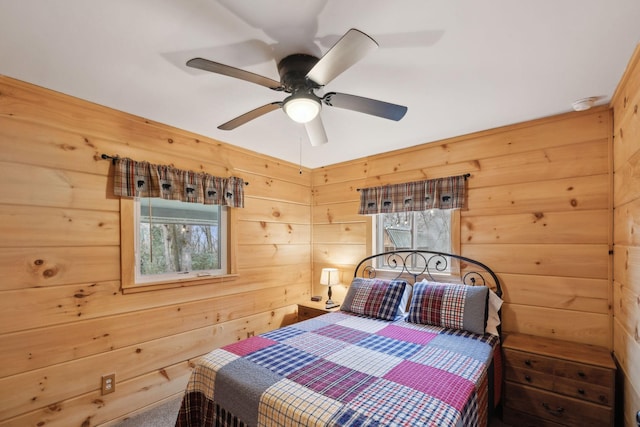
pixel 328 277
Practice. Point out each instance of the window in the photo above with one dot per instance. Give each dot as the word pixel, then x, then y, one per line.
pixel 167 242
pixel 176 238
pixel 435 230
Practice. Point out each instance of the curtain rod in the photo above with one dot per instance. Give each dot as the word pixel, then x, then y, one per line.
pixel 466 175
pixel 114 158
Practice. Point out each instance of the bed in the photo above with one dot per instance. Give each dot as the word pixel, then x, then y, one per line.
pixel 410 346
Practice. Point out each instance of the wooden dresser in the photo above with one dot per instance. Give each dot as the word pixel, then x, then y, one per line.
pixel 311 309
pixel 557 383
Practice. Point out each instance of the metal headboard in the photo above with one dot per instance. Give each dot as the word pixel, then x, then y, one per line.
pixel 402 263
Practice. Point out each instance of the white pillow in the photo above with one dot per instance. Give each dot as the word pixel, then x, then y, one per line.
pixel 493 320
pixel 403 308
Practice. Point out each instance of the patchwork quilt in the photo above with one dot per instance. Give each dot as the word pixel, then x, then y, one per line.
pixel 342 369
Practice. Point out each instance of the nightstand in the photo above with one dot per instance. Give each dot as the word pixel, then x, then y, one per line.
pixel 311 309
pixel 557 383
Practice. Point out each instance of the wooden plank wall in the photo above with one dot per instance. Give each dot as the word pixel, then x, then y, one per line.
pixel 539 213
pixel 626 273
pixel 63 320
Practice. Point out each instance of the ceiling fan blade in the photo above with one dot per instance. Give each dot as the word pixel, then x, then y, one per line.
pixel 247 117
pixel 227 70
pixel 424 38
pixel 351 48
pixel 386 110
pixel 316 132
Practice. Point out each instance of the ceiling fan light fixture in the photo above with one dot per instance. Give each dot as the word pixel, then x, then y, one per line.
pixel 302 108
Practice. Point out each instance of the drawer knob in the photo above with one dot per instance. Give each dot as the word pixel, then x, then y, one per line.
pixel 555 412
pixel 527 362
pixel 581 391
pixel 527 378
pixel 581 374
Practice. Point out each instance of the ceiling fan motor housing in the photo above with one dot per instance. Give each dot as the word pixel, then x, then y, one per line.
pixel 293 70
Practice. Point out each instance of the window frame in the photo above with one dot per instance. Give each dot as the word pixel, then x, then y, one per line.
pixel 128 264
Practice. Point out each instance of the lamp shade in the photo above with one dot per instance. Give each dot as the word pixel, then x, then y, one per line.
pixel 301 108
pixel 329 277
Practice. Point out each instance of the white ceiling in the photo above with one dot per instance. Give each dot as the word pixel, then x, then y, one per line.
pixel 459 66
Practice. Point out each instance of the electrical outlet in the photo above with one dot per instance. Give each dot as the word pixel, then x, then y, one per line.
pixel 250 334
pixel 108 383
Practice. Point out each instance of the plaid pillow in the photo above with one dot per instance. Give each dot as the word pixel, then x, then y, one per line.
pixel 374 297
pixel 450 306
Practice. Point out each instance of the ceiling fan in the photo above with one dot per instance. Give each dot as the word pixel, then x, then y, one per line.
pixel 301 75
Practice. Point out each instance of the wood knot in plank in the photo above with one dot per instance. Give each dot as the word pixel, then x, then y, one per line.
pixel 50 272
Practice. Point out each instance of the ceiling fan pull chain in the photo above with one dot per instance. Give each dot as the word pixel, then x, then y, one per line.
pixel 300 144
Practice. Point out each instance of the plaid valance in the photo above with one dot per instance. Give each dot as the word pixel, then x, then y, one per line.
pixel 142 179
pixel 440 193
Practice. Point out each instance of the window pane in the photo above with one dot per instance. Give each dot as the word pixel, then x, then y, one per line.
pixel 178 237
pixel 396 230
pixel 433 230
pixel 426 230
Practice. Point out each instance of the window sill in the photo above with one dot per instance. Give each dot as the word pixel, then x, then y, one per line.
pixel 172 284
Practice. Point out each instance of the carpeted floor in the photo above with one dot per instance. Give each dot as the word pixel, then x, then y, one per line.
pixel 165 416
pixel 161 416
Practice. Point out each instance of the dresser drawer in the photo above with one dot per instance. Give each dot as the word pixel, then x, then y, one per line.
pixel 585 373
pixel 528 377
pixel 529 361
pixel 594 392
pixel 556 408
pixel 513 417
